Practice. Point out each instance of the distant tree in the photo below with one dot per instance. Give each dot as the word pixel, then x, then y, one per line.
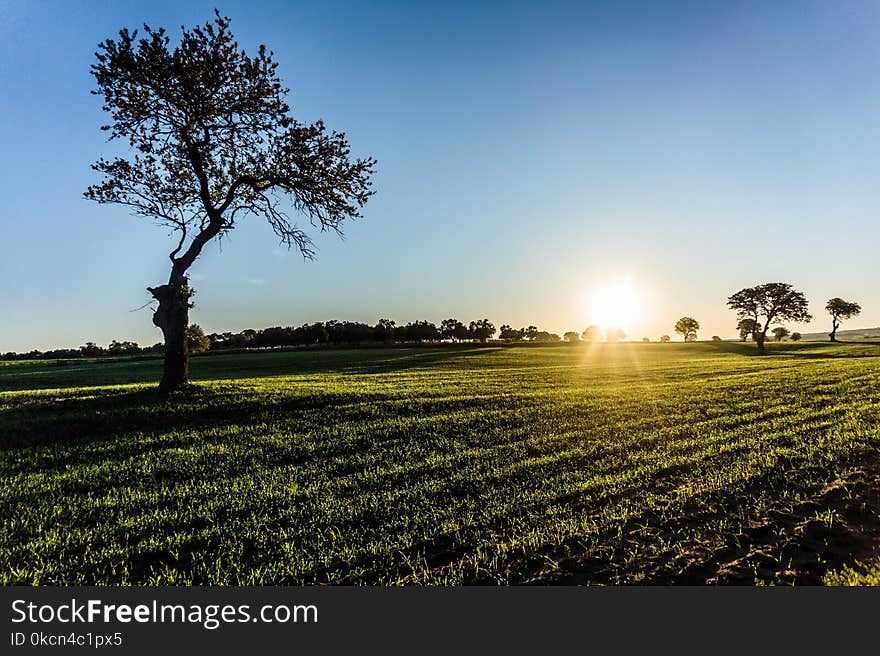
pixel 687 327
pixel 213 141
pixel 614 334
pixel 196 340
pixel 746 327
pixel 481 330
pixel 795 337
pixel 123 348
pixel 453 329
pixel 664 338
pixel 646 339
pixel 383 331
pixel 422 331
pixel 542 336
pixel 768 304
pixel 840 310
pixel 780 333
pixel 530 332
pixel 716 338
pixel 572 336
pixel 91 350
pixel 511 334
pixel 591 333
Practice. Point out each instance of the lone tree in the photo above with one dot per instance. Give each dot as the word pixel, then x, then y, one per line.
pixel 214 141
pixel 572 336
pixel 780 333
pixel 840 310
pixel 795 336
pixel 767 304
pixel 687 327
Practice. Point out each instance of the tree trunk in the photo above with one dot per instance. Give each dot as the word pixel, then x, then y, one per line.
pixel 759 338
pixel 172 317
pixel 833 334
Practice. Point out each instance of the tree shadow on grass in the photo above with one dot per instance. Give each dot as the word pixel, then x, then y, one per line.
pixel 116 425
pixel 118 414
pixel 416 358
pixel 38 375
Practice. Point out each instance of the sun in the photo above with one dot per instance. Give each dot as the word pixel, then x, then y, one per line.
pixel 616 305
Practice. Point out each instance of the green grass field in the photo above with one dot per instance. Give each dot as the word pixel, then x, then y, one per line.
pixel 626 463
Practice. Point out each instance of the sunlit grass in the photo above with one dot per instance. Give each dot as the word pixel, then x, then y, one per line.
pixel 449 465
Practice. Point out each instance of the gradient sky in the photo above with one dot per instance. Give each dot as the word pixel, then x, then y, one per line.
pixel 528 154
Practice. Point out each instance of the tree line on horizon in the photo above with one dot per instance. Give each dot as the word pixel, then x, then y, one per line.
pixel 757 309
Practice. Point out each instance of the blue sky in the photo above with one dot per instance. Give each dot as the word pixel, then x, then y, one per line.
pixel 528 155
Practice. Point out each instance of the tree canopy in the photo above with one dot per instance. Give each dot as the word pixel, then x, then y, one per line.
pixel 767 304
pixel 780 333
pixel 840 310
pixel 687 327
pixel 214 141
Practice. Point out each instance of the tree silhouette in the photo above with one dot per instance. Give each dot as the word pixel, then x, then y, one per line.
pixel 767 304
pixel 687 327
pixel 840 310
pixel 780 332
pixel 213 142
pixel 384 330
pixel 572 336
pixel 481 329
pixel 511 334
pixel 746 327
pixel 453 329
pixel 795 336
pixel 590 334
pixel 664 338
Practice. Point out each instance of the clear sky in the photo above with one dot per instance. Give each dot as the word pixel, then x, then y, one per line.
pixel 529 154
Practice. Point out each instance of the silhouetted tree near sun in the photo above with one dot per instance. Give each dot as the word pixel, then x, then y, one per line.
pixel 687 327
pixel 767 304
pixel 664 338
pixel 840 310
pixel 795 336
pixel 214 141
pixel 590 334
pixel 572 336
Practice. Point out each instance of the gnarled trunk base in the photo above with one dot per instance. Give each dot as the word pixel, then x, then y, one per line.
pixel 759 338
pixel 172 317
